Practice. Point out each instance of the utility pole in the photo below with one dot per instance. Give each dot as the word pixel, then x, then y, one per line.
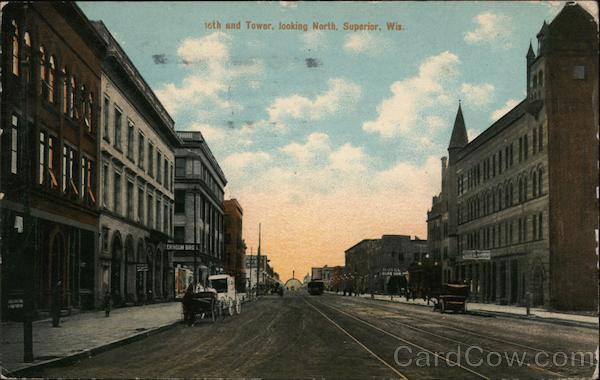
pixel 258 262
pixel 25 173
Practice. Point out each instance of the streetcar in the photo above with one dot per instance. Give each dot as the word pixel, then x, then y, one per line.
pixel 424 280
pixel 315 288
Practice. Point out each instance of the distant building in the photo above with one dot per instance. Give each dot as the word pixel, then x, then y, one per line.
pixel 265 276
pixel 199 210
pixel 235 247
pixel 518 210
pixel 372 262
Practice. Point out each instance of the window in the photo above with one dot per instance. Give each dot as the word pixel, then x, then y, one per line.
pixel 43 73
pixel 15 49
pixel 506 158
pixel 65 91
pixel 197 168
pixel 179 201
pixel 104 238
pixel 130 200
pixel 130 131
pixel 494 166
pixel 47 160
pixel 511 154
pixel 534 142
pixel 87 180
pixel 51 79
pixel 541 138
pixel 171 177
pixel 42 158
pixel 520 149
pixel 141 205
pixel 105 185
pixel 520 190
pixel 117 193
pixel 159 225
pixel 158 166
pixel 166 218
pixel 179 167
pixel 69 171
pixel 27 56
pixel 150 159
pixel 141 150
pixel 540 182
pixel 118 116
pixel 150 213
pixel 14 145
pixel 72 103
pixel 534 227
pixel 166 174
pixel 525 147
pixel 540 225
pixel 500 162
pixel 534 185
pixel 525 188
pixel 578 72
pixel 106 117
pixel 179 235
pixel 89 114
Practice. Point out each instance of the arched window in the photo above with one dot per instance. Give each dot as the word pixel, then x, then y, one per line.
pixel 525 188
pixel 51 79
pixel 510 191
pixel 534 184
pixel 89 113
pixel 520 190
pixel 27 56
pixel 65 90
pixel 540 181
pixel 43 73
pixel 15 48
pixel 71 102
pixel 506 199
pixel 541 78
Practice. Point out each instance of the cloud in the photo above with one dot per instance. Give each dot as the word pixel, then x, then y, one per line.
pixel 477 95
pixel 491 28
pixel 341 94
pixel 224 139
pixel 497 114
pixel 317 144
pixel 313 39
pixel 364 43
pixel 402 113
pixel 472 133
pixel 340 200
pixel 242 164
pixel 211 72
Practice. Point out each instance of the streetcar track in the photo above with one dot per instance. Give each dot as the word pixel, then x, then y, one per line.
pixel 446 338
pixel 358 342
pixel 500 340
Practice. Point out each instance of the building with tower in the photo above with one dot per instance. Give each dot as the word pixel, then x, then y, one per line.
pixel 517 214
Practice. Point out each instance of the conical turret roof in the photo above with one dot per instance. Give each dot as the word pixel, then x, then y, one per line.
pixel 459 137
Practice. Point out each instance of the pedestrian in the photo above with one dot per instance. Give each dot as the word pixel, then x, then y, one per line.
pixel 186 303
pixel 107 303
pixel 56 304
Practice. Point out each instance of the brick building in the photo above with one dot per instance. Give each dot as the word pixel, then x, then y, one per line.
pixel 235 247
pixel 373 262
pixel 51 68
pixel 525 190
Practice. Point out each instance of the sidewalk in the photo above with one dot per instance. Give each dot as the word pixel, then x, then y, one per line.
pixel 509 311
pixel 83 334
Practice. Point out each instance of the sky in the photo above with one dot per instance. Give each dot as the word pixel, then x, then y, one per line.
pixel 328 137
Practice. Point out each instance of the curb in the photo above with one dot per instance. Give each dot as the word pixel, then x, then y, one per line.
pixel 87 353
pixel 485 313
